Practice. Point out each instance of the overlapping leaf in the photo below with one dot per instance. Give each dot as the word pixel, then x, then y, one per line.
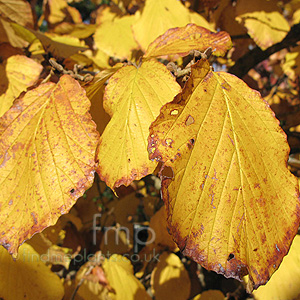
pixel 123 43
pixel 59 50
pixel 133 98
pixel 224 177
pixel 47 149
pixel 285 283
pixel 119 273
pixel 28 277
pixel 160 15
pixel 169 279
pixel 191 37
pixel 266 28
pixel 18 11
pixel 16 75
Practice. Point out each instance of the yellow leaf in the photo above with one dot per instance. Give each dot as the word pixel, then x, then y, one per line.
pixel 285 282
pixel 48 143
pixel 266 28
pixel 119 273
pixel 80 31
pixel 16 75
pixel 107 13
pixel 170 279
pixel 157 17
pixel 122 151
pixel 123 43
pixel 191 37
pixel 291 65
pixel 27 277
pixel 94 92
pixel 66 39
pixel 8 35
pixel 224 177
pixel 296 16
pixel 57 11
pixel 18 11
pixel 59 50
pixel 101 59
pixel 162 238
pixel 40 243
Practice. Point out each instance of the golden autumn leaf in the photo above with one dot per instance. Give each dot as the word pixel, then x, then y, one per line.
pixel 95 92
pixel 160 15
pixel 224 177
pixel 8 35
pixel 291 64
pixel 18 11
pixel 191 37
pixel 57 11
pixel 107 13
pixel 91 288
pixel 170 279
pixel 60 50
pixel 161 239
pixel 47 146
pixel 285 282
pixel 17 73
pixel 266 28
pixel 80 31
pixel 27 277
pixel 123 43
pixel 132 101
pixel 119 272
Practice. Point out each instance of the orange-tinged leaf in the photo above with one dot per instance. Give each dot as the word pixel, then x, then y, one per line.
pixel 266 28
pixel 18 11
pixel 132 100
pixel 157 17
pixel 170 279
pixel 47 146
pixel 119 272
pixel 20 72
pixel 285 282
pixel 191 37
pixel 224 178
pixel 27 277
pixel 123 43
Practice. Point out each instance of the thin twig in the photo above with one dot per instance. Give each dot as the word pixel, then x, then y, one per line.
pixel 89 270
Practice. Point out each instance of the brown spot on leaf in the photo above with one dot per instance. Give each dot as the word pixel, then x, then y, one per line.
pixel 190 120
pixel 167 172
pixel 230 257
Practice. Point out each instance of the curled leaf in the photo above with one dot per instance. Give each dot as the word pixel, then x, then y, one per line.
pixel 181 40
